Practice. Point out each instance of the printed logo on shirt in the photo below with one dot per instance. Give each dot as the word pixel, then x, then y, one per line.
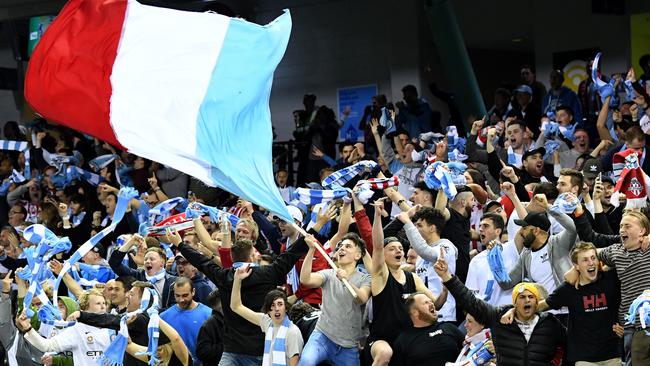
pixel 437 332
pixel 94 354
pixel 89 339
pixel 594 302
pixel 544 257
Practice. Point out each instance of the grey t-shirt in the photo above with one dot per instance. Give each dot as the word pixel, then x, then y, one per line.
pixel 293 340
pixel 341 319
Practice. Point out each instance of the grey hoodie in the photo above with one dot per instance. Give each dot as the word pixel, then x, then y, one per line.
pixel 559 246
pixel 19 351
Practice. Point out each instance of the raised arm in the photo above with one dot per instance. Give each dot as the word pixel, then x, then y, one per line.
pixel 235 300
pixel 115 260
pixel 603 132
pixel 418 243
pixel 72 285
pixel 483 312
pixel 344 223
pixel 441 204
pixel 307 278
pixel 379 268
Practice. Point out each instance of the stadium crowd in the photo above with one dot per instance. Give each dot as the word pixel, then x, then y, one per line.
pixel 523 241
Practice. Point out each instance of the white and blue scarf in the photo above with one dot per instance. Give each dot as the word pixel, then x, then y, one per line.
pixel 114 354
pixel 342 176
pixel 316 196
pixel 123 197
pixel 437 177
pixel 279 345
pixel 23 147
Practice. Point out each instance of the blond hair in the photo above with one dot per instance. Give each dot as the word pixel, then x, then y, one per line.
pixel 84 299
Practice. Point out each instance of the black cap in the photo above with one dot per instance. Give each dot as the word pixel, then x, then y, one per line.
pixel 539 150
pixel 98 248
pixel 592 167
pixel 537 219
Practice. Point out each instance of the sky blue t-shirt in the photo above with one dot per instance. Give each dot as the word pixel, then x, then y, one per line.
pixel 187 323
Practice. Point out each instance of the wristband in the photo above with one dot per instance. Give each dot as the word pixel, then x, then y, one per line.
pixel 6 292
pixel 27 331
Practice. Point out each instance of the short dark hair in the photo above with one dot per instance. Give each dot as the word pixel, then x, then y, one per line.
pixel 421 185
pixel 496 219
pixel 577 179
pixel 266 258
pixel 431 216
pixel 410 88
pixel 241 250
pixel 182 281
pixel 519 122
pixel 299 311
pixel 548 189
pixel 503 92
pixel 356 239
pixel 409 303
pixel 214 299
pixel 126 281
pixel 634 133
pixel 345 143
pixel 477 177
pixel 271 296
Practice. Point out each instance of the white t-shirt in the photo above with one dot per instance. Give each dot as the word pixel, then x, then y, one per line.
pixel 480 279
pixel 541 270
pixel 425 271
pixel 86 342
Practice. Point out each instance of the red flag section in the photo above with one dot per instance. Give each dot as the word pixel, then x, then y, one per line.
pixel 68 78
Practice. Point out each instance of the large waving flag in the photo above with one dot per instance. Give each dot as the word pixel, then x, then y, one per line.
pixel 189 90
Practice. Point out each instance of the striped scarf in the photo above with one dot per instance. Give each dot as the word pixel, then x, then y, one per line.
pixel 124 196
pixel 496 263
pixel 215 214
pixel 114 354
pixel 550 146
pixel 23 147
pixel 342 176
pixel 164 209
pixel 74 173
pixel 16 177
pixel 316 196
pixel 437 177
pixel 101 161
pixel 514 158
pixel 366 187
pixel 279 345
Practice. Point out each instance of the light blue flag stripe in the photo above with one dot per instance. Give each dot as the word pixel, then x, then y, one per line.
pixel 234 124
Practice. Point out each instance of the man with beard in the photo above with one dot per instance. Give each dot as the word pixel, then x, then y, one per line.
pixel 187 315
pixel 533 167
pixel 428 342
pixel 593 329
pixel 545 257
pixel 533 339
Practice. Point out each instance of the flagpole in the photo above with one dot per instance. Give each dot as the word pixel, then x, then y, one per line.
pixel 329 261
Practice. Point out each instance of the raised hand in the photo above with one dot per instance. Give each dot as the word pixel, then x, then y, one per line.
pixel 173 236
pixel 541 200
pixel 243 272
pixel 509 189
pixel 441 267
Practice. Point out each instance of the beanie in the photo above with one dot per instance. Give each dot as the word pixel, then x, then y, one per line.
pixel 523 286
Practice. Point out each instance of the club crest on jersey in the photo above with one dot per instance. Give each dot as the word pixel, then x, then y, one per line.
pixel 90 339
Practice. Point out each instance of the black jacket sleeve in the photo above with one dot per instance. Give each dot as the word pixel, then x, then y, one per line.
pixel 105 320
pixel 210 269
pixel 483 312
pixel 285 261
pixel 209 343
pixel 11 263
pixel 115 261
pixel 270 231
pixel 587 233
pixel 494 165
pixel 601 222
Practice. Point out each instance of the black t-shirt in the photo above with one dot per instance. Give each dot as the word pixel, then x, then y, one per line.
pixel 307 324
pixel 593 311
pixel 434 345
pixel 457 231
